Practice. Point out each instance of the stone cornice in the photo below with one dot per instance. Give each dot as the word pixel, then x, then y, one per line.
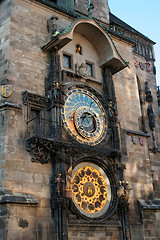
pixel 18 198
pixel 137 133
pixel 153 204
pixel 34 99
pixel 7 105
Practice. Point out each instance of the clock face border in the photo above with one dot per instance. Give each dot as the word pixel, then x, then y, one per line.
pixel 69 119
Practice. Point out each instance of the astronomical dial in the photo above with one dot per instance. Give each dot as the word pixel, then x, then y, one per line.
pixel 91 191
pixel 84 117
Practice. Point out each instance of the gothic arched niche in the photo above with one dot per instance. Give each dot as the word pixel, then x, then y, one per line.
pixel 82 52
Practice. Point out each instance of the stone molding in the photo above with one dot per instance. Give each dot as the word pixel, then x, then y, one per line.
pixel 18 198
pixel 136 133
pixel 10 105
pixel 149 204
pixel 34 99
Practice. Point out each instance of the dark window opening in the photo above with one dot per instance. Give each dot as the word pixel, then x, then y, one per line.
pixel 35 121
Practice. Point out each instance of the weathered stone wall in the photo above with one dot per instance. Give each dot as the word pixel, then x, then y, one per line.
pixel 27 70
pixel 2 146
pixel 4 38
pixel 22 222
pixel 155 170
pixel 142 166
pixel 137 173
pixel 126 90
pixel 5 9
pixel 28 31
pixel 112 231
pixel 3 221
pixel 151 224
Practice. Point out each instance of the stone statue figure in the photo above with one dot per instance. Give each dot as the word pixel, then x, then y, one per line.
pixel 69 183
pixel 59 181
pixel 123 191
pixel 151 117
pixel 83 70
pixel 58 93
pixel 52 25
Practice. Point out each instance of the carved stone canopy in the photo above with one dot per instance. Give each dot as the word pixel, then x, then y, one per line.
pixel 93 32
pixel 34 99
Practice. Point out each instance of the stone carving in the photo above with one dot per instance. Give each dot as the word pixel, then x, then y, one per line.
pixel 52 26
pixel 151 117
pixel 123 191
pixel 39 150
pixel 69 183
pixel 34 99
pixel 112 109
pixel 148 93
pixel 6 90
pixel 59 182
pixel 58 93
pixel 82 70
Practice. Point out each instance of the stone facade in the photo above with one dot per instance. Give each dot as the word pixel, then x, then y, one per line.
pixel 110 61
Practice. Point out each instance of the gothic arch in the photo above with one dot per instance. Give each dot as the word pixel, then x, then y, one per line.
pixel 100 39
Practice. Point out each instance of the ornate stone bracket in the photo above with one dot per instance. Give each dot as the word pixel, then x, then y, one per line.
pixel 39 149
pixel 34 99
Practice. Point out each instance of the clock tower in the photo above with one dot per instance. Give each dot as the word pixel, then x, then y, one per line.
pixel 78 124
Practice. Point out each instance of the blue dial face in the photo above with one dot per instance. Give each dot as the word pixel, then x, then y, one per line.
pixel 86 120
pixel 84 117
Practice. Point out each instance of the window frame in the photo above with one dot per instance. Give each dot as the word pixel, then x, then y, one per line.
pixel 70 57
pixel 92 69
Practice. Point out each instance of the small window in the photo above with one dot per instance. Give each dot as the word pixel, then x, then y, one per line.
pixel 89 69
pixel 66 61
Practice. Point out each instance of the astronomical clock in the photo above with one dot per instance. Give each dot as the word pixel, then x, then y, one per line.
pixel 84 117
pixel 85 120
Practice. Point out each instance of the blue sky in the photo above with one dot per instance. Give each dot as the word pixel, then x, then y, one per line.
pixel 144 16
